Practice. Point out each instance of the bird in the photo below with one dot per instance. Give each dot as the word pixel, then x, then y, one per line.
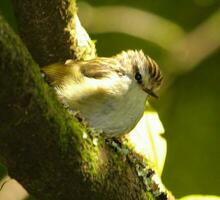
pixel 109 92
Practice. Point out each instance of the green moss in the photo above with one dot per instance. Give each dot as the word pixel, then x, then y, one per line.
pixel 37 135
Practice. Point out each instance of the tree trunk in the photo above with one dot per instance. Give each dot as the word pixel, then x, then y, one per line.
pixel 51 30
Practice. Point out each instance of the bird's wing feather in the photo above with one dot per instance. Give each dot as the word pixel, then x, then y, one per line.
pixel 98 68
pixel 58 73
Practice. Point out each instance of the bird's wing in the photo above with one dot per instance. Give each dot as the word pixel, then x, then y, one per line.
pixel 58 73
pixel 80 83
pixel 98 68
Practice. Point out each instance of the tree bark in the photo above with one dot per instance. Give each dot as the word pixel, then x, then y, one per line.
pixel 51 30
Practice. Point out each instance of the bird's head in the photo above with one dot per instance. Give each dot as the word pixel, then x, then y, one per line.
pixel 141 69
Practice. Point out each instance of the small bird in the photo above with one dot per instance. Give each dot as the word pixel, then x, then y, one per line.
pixel 110 93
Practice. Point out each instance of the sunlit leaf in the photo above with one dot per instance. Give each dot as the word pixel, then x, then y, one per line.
pixel 147 140
pixel 200 197
pixel 10 189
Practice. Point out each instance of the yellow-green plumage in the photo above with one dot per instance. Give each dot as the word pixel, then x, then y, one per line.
pixel 58 73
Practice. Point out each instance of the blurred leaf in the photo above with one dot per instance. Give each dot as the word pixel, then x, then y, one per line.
pixel 30 198
pixel 6 11
pixel 12 190
pixel 146 139
pixel 189 109
pixel 200 197
pixel 3 171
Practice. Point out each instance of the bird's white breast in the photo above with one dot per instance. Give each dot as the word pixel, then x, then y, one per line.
pixel 120 111
pixel 114 105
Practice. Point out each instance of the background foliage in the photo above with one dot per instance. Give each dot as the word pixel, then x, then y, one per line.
pixel 189 100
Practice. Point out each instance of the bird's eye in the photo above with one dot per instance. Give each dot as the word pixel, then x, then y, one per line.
pixel 138 77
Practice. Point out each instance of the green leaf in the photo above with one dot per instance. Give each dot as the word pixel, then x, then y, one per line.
pixel 200 197
pixel 12 190
pixel 3 171
pixel 147 140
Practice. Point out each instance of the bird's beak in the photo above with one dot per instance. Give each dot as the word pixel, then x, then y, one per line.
pixel 151 93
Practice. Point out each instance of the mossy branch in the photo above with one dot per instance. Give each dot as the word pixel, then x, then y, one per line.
pixel 51 30
pixel 43 147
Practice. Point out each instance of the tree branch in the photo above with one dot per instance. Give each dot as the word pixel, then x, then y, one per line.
pixel 45 148
pixel 51 30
